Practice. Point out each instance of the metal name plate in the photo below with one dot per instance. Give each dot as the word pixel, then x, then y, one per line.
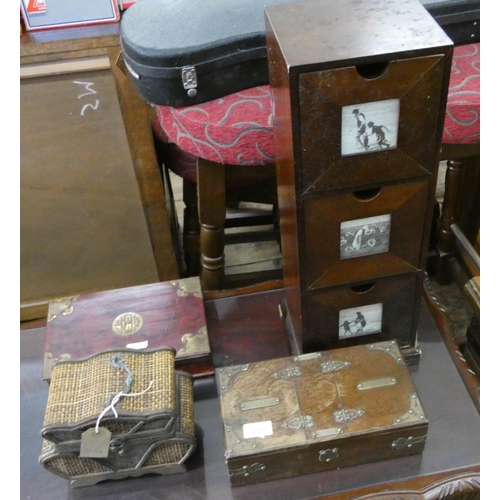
pixel 334 431
pixel 259 403
pixel 307 357
pixel 374 384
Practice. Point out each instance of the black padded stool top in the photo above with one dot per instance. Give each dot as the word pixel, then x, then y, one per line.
pixel 223 40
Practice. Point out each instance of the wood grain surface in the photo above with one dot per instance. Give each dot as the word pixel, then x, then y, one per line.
pixel 82 224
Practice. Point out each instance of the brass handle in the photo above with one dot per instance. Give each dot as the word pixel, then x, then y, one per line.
pixel 328 455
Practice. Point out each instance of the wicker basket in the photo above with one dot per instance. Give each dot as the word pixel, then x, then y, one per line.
pixel 153 432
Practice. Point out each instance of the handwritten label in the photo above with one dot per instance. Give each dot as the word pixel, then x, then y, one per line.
pixel 95 445
pixel 89 91
pixel 258 429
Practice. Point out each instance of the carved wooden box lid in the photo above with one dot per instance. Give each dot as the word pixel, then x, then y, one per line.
pixel 347 406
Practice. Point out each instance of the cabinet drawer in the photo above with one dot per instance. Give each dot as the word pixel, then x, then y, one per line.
pixel 370 123
pixel 372 311
pixel 363 234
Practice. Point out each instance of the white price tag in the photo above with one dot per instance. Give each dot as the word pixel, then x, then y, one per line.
pixel 137 345
pixel 258 429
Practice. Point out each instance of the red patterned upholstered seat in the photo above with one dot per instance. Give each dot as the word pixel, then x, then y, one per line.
pixel 233 130
pixel 462 122
pixel 179 162
pixel 226 147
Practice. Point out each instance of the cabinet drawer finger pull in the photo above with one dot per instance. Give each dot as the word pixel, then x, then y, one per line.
pixel 367 194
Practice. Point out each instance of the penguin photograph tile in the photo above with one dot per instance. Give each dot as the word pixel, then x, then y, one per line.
pixel 370 127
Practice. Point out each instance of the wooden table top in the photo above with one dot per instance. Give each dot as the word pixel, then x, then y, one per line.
pixel 61 40
pixel 247 328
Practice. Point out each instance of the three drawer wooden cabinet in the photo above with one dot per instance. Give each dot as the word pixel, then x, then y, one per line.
pixel 359 90
pixel 348 315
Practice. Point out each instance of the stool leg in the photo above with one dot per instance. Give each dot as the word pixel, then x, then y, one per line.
pixel 191 232
pixel 445 237
pixel 212 215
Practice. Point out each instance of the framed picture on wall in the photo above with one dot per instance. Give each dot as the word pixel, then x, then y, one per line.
pixel 46 14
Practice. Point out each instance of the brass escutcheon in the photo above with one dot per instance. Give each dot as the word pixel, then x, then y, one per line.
pixel 127 324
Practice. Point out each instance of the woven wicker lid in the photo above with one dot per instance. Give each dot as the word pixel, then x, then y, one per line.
pixel 81 389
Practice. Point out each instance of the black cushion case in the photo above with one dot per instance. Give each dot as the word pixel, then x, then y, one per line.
pixel 184 52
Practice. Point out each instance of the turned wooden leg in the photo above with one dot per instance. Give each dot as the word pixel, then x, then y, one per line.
pixel 191 232
pixel 449 215
pixel 212 216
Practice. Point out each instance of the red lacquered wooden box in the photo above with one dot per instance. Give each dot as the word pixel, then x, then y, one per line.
pixel 167 314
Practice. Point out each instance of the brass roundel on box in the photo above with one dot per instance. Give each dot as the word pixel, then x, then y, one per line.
pixel 127 324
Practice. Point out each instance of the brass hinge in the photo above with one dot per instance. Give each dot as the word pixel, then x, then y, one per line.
pixel 246 470
pixel 402 443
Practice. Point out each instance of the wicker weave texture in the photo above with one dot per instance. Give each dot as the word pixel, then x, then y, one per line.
pixel 172 451
pixel 186 407
pixel 80 390
pixel 69 466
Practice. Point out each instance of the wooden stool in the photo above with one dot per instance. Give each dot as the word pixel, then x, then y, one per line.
pixel 223 150
pixel 461 148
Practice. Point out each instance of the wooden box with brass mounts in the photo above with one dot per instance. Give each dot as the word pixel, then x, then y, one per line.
pixel 165 314
pixel 319 411
pixel 118 414
pixel 360 94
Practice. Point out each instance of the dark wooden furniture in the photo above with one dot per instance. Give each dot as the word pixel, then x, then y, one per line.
pixel 223 151
pixel 461 207
pixel 246 328
pixel 454 251
pixel 445 326
pixel 472 347
pixel 212 194
pixel 461 151
pixel 86 192
pixel 213 218
pixel 355 215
